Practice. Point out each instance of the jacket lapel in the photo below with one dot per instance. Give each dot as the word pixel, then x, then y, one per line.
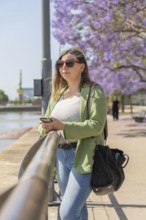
pixel 84 97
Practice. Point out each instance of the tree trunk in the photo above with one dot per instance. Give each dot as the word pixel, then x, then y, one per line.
pixel 122 103
pixel 131 106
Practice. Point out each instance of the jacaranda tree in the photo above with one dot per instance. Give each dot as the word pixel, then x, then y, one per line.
pixel 112 33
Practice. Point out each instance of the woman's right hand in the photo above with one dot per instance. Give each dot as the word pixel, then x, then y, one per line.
pixel 45 126
pixel 54 125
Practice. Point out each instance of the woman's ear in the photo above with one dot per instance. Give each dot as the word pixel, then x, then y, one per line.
pixel 82 67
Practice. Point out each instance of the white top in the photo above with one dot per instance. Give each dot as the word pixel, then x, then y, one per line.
pixel 67 110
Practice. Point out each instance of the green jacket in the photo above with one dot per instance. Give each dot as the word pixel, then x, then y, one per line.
pixel 86 128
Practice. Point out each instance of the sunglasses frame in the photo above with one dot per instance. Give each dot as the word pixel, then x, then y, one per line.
pixel 69 63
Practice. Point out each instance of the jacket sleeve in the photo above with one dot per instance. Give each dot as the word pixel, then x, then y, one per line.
pixel 95 124
pixel 47 114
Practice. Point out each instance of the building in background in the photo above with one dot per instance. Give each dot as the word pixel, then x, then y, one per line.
pixel 24 94
pixel 28 94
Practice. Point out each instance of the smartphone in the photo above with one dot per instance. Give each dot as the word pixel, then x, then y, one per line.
pixel 46 120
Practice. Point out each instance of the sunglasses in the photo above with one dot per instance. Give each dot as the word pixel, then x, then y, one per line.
pixel 68 63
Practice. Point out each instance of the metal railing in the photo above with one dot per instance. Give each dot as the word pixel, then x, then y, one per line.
pixel 29 198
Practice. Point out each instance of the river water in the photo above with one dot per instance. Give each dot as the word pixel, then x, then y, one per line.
pixel 14 121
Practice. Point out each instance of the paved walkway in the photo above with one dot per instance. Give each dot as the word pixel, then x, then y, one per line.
pixel 129 202
pixel 10 159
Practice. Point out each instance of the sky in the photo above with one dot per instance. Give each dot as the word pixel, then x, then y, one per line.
pixel 21 44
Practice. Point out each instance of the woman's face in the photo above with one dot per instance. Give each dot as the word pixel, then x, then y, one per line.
pixel 72 70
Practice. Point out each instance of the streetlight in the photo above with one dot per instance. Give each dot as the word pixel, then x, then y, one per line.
pixel 41 87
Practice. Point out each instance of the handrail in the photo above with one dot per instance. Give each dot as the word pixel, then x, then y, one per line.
pixel 29 198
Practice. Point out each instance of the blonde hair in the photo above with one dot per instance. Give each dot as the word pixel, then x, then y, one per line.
pixel 59 83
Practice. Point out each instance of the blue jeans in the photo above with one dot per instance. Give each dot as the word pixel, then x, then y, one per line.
pixel 74 187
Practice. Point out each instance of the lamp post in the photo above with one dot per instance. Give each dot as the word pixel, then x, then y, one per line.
pixel 46 54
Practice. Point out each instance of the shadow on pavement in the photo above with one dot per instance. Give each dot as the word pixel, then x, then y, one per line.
pixel 134 133
pixel 132 129
pixel 118 207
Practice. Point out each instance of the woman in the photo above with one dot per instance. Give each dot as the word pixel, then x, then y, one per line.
pixel 68 111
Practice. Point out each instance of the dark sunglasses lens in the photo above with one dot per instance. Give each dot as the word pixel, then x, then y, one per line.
pixel 59 64
pixel 69 63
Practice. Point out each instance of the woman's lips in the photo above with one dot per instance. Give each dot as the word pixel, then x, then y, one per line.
pixel 65 73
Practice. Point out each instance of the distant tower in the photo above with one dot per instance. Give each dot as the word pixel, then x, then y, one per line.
pixel 20 90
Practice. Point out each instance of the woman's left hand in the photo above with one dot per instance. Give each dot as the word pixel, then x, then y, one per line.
pixel 54 125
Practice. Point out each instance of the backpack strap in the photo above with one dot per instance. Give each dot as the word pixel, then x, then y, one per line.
pixel 89 102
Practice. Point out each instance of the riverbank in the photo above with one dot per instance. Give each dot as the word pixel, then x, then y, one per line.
pixel 14 124
pixel 6 139
pixel 18 108
pixel 11 158
pixel 14 134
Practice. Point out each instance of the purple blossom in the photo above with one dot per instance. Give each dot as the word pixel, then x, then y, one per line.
pixel 112 35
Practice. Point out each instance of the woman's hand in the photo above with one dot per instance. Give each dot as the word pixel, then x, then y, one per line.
pixel 52 126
